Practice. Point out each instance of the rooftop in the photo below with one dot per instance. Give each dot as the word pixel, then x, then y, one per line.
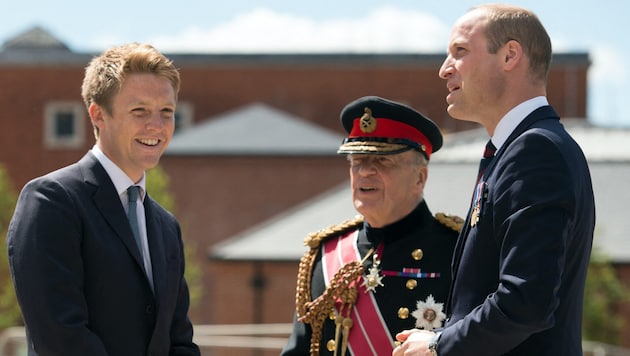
pixel 255 129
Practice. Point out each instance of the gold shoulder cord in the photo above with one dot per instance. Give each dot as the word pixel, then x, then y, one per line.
pixel 315 312
pixel 453 222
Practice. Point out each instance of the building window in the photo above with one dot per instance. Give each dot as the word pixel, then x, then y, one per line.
pixel 183 115
pixel 64 125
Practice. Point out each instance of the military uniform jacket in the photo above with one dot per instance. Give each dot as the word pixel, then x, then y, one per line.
pixel 418 241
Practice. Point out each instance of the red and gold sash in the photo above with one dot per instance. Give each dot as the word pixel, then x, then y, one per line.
pixel 370 335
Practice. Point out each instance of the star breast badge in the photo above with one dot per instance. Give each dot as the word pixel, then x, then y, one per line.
pixel 429 314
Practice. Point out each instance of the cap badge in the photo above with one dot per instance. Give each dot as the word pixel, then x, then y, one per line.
pixel 368 122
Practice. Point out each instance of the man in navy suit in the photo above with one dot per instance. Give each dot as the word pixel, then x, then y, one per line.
pixel 87 281
pixel 519 267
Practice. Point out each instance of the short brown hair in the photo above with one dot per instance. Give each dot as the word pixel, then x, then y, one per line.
pixel 507 23
pixel 105 73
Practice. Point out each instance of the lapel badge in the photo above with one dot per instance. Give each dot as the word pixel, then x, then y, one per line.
pixel 368 122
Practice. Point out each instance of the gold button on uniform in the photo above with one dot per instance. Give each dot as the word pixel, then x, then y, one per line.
pixel 403 313
pixel 417 254
pixel 331 345
pixel 411 284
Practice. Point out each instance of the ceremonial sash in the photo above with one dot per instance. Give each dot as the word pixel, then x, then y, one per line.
pixel 369 334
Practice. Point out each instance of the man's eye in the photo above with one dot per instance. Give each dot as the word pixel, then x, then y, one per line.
pixel 168 113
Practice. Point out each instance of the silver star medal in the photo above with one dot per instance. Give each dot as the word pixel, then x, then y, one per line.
pixel 374 278
pixel 429 314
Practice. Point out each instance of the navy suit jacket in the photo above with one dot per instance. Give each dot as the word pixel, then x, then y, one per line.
pixel 519 272
pixel 78 274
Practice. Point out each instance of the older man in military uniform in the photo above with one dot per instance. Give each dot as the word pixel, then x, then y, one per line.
pixel 387 270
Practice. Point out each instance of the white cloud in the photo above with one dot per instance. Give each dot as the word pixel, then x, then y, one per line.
pixel 608 66
pixel 607 77
pixel 385 29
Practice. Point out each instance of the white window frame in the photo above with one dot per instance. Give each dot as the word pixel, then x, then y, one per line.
pixel 51 110
pixel 185 111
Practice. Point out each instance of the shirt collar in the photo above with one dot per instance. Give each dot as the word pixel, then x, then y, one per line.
pixel 120 179
pixel 514 117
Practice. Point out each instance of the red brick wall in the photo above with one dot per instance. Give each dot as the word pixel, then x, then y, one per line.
pixel 220 196
pixel 235 299
pixel 315 92
pixel 24 91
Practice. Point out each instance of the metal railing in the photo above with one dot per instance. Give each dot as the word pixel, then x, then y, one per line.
pixel 255 336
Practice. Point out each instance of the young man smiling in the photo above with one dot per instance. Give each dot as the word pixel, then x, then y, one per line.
pixel 98 266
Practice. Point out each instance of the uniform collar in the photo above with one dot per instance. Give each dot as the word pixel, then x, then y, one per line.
pixel 397 229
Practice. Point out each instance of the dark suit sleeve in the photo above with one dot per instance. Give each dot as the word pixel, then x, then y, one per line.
pixel 44 246
pixel 532 203
pixel 181 328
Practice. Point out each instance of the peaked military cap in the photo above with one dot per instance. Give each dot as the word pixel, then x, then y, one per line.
pixel 380 126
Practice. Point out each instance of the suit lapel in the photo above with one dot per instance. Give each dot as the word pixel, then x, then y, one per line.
pixel 107 201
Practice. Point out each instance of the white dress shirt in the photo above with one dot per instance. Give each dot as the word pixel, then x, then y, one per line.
pixel 508 123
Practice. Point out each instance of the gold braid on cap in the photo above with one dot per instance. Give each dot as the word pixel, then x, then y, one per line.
pixel 315 312
pixel 453 222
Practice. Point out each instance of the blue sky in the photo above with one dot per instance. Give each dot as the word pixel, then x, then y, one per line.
pixel 331 26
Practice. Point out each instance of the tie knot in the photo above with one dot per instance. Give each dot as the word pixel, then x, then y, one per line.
pixel 132 193
pixel 490 150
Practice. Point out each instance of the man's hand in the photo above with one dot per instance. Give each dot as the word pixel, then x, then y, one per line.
pixel 414 342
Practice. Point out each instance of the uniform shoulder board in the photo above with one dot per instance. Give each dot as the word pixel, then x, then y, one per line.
pixel 314 239
pixel 453 222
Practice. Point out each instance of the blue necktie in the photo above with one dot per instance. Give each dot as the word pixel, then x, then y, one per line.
pixel 132 194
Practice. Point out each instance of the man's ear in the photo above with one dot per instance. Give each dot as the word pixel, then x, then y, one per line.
pixel 513 54
pixel 97 114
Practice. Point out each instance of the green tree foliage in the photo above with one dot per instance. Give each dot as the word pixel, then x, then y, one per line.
pixel 158 187
pixel 603 294
pixel 9 310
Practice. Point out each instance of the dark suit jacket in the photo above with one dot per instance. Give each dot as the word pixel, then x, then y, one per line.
pixel 519 273
pixel 78 275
